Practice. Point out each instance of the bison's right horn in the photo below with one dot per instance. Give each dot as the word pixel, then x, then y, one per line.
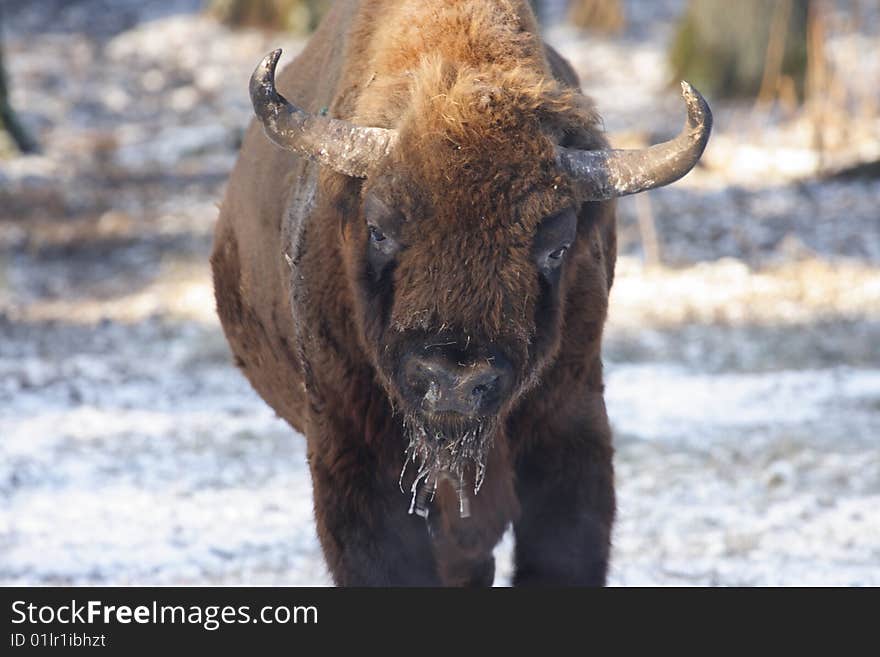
pixel 345 147
pixel 606 174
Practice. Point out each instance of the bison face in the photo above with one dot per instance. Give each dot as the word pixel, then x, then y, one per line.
pixel 460 268
pixel 459 314
pixel 459 294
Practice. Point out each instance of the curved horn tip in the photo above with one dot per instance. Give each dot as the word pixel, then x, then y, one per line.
pixel 262 86
pixel 697 107
pixel 266 68
pixel 687 89
pixel 270 61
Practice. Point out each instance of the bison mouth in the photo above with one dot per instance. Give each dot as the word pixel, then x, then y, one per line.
pixel 445 447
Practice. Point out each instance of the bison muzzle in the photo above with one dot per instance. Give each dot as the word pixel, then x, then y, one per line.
pixel 412 266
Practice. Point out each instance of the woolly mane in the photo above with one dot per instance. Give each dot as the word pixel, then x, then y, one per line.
pixel 474 70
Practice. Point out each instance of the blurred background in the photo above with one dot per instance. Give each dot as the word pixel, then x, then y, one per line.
pixel 742 350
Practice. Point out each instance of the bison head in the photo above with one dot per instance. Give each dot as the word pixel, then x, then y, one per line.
pixel 471 231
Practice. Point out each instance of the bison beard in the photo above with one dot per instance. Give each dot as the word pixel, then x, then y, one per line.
pixel 450 452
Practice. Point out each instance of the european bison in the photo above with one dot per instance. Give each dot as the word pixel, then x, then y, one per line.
pixel 417 280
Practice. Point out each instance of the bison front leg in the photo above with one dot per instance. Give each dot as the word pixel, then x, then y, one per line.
pixel 366 534
pixel 566 491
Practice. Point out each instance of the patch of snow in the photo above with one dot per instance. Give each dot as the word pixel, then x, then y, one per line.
pixel 686 406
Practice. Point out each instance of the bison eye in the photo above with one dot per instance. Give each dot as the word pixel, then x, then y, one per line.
pixel 558 254
pixel 381 242
pixel 553 240
pixel 381 251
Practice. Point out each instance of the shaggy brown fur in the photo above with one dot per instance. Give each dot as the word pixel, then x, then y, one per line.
pixel 479 103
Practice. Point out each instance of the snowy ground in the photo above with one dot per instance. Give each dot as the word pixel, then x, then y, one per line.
pixel 743 377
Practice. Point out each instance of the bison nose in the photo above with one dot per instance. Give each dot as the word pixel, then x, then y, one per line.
pixel 470 389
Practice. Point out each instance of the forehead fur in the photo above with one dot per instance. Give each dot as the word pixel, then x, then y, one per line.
pixel 490 130
pixel 467 86
pixel 485 102
pixel 468 70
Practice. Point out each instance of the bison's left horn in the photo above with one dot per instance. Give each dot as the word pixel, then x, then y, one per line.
pixel 605 174
pixel 345 147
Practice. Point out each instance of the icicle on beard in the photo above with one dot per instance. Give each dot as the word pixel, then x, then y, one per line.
pixel 447 454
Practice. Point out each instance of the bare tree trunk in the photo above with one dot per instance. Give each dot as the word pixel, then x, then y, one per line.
pixel 724 48
pixel 648 230
pixel 599 15
pixel 296 15
pixel 8 120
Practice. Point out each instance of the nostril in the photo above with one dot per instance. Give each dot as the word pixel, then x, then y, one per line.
pixel 485 388
pixel 438 384
pixel 433 394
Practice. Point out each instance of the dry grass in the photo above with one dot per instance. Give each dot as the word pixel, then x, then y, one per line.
pixel 727 292
pixel 181 291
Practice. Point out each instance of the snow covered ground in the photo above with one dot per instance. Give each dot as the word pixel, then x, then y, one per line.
pixel 743 383
pixel 136 454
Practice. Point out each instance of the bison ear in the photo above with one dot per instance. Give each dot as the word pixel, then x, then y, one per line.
pixel 604 174
pixel 342 146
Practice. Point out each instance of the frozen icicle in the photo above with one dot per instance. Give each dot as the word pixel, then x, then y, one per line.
pixel 464 504
pixel 423 498
pixel 437 455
